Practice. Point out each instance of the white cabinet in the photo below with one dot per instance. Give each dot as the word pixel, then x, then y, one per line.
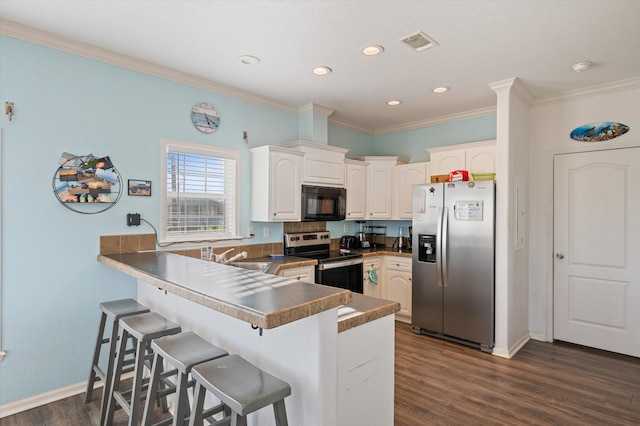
pixel 477 157
pixel 380 172
pixel 407 175
pixel 371 266
pixel 398 284
pixel 355 173
pixel 301 273
pixel 275 184
pixel 322 164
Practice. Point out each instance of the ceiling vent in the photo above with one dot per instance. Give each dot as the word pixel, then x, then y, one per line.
pixel 419 41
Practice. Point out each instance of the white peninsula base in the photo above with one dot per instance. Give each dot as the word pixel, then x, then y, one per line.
pixel 336 378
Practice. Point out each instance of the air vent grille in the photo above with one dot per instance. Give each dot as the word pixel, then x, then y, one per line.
pixel 419 41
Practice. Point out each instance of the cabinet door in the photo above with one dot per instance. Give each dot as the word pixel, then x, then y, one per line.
pixel 303 273
pixel 379 192
pixel 407 175
pixel 481 159
pixel 444 162
pixel 284 195
pixel 399 290
pixel 356 185
pixel 371 288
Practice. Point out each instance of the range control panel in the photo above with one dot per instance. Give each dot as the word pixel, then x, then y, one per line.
pixel 302 239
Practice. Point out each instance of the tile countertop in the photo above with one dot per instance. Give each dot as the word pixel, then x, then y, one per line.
pixel 251 295
pixel 264 300
pixel 362 309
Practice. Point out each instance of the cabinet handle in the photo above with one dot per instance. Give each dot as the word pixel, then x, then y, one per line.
pixel 298 278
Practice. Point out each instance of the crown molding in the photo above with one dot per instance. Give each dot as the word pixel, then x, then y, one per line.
pixel 346 125
pixel 75 47
pixel 481 112
pixel 616 86
pixel 315 109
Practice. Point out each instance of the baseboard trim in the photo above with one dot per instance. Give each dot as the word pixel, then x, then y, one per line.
pixel 42 399
pixel 509 353
pixel 49 397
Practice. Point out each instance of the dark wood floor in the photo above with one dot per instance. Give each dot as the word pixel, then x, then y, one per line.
pixel 443 383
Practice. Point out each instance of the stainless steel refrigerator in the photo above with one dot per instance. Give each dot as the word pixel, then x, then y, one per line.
pixel 453 239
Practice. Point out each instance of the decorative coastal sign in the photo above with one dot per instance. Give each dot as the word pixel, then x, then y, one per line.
pixel 598 132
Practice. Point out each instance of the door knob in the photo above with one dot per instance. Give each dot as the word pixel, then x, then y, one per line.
pixel 560 256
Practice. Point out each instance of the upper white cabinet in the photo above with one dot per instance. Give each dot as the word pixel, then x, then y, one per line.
pixel 407 175
pixel 355 180
pixel 275 184
pixel 477 157
pixel 322 164
pixel 380 174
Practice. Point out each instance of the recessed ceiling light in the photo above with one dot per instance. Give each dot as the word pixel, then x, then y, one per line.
pixel 581 66
pixel 372 50
pixel 249 60
pixel 322 70
pixel 394 103
pixel 441 89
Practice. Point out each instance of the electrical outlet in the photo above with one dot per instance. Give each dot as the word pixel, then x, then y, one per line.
pixel 346 228
pixel 250 232
pixel 266 232
pixel 133 219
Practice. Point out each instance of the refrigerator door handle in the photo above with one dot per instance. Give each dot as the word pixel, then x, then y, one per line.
pixel 443 243
pixel 439 248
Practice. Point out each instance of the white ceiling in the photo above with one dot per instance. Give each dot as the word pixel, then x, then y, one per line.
pixel 480 42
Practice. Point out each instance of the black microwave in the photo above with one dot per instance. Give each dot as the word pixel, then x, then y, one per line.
pixel 323 203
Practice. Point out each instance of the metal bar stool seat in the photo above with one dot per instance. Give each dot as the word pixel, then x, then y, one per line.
pixel 142 329
pixel 241 387
pixel 112 311
pixel 181 351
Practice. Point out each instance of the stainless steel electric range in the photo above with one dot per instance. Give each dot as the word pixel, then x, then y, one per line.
pixel 335 268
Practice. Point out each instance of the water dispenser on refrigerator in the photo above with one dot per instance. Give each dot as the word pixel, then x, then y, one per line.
pixel 427 248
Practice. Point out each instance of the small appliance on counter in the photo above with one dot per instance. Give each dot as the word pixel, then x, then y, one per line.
pixel 349 242
pixel 402 242
pixel 362 236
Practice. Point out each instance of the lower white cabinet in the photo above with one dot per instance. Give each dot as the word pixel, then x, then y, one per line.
pixel 398 284
pixel 301 273
pixel 394 282
pixel 370 267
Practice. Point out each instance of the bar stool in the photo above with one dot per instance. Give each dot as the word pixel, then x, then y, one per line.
pixel 182 351
pixel 111 311
pixel 142 329
pixel 241 387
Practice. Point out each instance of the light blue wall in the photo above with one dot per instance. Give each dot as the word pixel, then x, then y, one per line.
pixel 51 281
pixel 412 144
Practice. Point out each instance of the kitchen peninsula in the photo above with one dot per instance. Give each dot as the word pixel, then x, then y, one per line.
pixel 286 327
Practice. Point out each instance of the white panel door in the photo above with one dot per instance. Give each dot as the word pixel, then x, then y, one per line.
pixel 597 250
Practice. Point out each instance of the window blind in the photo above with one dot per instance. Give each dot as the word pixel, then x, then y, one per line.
pixel 200 194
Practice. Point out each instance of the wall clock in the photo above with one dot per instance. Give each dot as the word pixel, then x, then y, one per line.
pixel 205 117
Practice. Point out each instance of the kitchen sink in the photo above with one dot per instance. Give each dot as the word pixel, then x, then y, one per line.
pixel 254 266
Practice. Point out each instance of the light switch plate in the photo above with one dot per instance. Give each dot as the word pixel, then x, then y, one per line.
pixel 266 232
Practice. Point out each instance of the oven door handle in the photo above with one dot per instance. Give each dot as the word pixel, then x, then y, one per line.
pixel 339 264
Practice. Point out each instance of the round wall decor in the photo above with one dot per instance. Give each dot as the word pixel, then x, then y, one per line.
pixel 87 184
pixel 205 117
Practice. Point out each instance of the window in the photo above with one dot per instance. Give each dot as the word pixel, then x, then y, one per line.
pixel 199 192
